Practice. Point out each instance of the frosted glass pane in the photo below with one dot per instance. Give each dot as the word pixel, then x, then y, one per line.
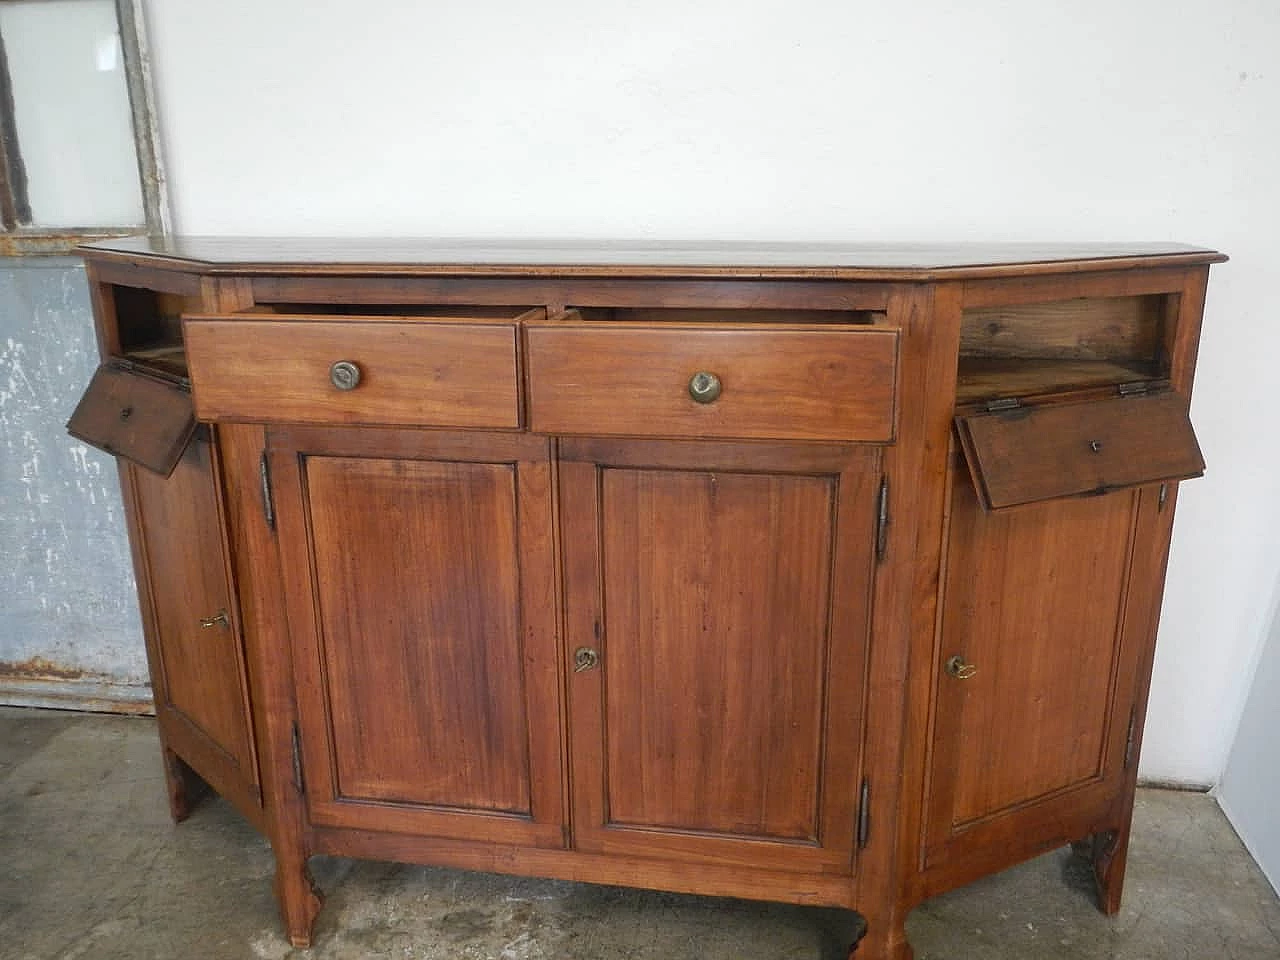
pixel 71 109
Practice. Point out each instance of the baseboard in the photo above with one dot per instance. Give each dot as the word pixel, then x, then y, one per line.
pixel 1186 786
pixel 90 696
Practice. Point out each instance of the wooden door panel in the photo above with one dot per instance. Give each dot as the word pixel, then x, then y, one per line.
pixel 720 599
pixel 716 587
pixel 1036 600
pixel 1040 701
pixel 426 658
pixel 200 668
pixel 436 626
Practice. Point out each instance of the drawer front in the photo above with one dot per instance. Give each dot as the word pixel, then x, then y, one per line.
pixel 759 382
pixel 131 415
pixel 429 373
pixel 1073 449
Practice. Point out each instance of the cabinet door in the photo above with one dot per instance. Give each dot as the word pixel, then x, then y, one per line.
pixel 419 572
pixel 197 660
pixel 717 613
pixel 1044 616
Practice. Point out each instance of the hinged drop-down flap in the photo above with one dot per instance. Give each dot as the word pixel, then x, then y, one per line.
pixel 1073 449
pixel 131 414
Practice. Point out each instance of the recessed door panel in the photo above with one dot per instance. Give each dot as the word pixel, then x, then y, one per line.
pixel 1040 621
pixel 425 655
pixel 723 594
pixel 197 660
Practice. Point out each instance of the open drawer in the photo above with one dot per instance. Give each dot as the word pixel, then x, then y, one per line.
pixel 135 414
pixel 1029 454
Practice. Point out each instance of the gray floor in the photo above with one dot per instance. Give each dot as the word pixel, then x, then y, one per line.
pixel 91 867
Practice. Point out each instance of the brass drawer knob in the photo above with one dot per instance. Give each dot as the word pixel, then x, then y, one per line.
pixel 704 387
pixel 959 668
pixel 584 658
pixel 344 375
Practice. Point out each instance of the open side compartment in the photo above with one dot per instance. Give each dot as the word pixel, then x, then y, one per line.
pixel 1029 349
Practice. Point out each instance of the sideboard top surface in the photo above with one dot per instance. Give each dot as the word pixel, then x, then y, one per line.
pixel 614 258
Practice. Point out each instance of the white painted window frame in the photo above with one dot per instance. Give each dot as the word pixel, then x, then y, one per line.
pixel 18 238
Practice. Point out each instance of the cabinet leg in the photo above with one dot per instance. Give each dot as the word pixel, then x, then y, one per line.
pixel 1110 853
pixel 185 788
pixel 299 899
pixel 882 942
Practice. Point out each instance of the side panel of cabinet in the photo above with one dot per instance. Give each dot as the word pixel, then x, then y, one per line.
pixel 419 569
pixel 1041 603
pixel 197 658
pixel 723 592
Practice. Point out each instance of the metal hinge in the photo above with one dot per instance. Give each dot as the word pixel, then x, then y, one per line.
pixel 151 373
pixel 268 506
pixel 1003 403
pixel 1164 496
pixel 864 814
pixel 1135 389
pixel 1128 744
pixel 299 783
pixel 882 519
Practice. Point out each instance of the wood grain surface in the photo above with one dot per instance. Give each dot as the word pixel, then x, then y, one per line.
pixel 778 382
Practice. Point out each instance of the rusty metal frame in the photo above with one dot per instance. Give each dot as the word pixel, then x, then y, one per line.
pixel 17 236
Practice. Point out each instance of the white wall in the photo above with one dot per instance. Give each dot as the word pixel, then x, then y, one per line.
pixel 1251 783
pixel 1088 119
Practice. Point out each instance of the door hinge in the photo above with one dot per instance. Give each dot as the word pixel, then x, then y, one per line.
pixel 1135 389
pixel 299 783
pixel 864 814
pixel 268 505
pixel 1128 743
pixel 882 519
pixel 1003 403
pixel 1164 496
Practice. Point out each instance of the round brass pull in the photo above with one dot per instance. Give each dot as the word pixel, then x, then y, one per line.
pixel 344 375
pixel 957 667
pixel 218 618
pixel 704 387
pixel 584 658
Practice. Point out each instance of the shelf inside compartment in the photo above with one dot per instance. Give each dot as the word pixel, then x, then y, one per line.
pixel 166 358
pixel 1063 345
pixel 986 378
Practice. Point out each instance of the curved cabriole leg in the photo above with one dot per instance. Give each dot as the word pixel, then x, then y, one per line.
pixel 298 897
pixel 184 786
pixel 1110 853
pixel 882 942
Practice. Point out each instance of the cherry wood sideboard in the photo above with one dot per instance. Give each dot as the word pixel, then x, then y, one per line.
pixel 818 574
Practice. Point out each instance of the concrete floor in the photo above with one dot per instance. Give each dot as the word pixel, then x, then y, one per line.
pixel 91 867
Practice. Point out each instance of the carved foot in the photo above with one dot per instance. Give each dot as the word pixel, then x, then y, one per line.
pixel 880 944
pixel 184 785
pixel 1110 854
pixel 300 902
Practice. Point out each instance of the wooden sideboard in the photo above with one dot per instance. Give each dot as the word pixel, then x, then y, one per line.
pixel 818 574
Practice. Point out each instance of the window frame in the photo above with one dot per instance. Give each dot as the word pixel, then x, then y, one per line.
pixel 22 239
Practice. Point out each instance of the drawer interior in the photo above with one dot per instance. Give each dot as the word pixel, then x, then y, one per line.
pixel 1040 348
pixel 431 310
pixel 713 315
